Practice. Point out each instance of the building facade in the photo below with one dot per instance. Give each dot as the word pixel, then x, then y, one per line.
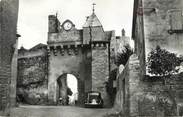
pixel 163 23
pixel 8 53
pixel 84 53
pixel 155 23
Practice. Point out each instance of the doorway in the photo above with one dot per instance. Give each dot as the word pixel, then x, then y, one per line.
pixel 67 90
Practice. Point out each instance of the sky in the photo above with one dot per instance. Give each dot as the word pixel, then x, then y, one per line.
pixel 33 16
pixel 72 83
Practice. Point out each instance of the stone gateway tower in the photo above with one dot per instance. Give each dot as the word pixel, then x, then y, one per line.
pixel 83 53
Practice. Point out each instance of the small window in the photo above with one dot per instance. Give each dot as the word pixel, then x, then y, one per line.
pixel 175 16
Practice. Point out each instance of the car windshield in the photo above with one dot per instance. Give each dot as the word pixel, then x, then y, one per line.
pixel 93 96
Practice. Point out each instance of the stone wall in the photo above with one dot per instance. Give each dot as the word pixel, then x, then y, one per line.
pixel 100 69
pixel 32 77
pixel 8 24
pixel 139 95
pixel 163 25
pixel 65 36
pixel 127 83
pixel 155 22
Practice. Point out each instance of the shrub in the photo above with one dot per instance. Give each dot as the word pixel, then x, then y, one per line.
pixel 161 62
pixel 122 57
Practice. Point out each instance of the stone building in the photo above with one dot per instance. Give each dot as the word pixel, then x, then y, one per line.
pixel 163 25
pixel 117 45
pixel 155 22
pixel 159 23
pixel 84 53
pixel 8 53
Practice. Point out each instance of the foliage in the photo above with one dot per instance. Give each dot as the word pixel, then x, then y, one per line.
pixel 69 91
pixel 122 57
pixel 181 58
pixel 162 62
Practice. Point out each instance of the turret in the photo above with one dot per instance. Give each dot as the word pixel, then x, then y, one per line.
pixel 123 32
pixel 92 30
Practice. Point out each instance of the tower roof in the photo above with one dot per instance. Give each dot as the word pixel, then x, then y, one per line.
pixel 92 21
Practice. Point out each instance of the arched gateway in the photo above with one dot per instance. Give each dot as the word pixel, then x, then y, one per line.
pixel 83 53
pixel 67 63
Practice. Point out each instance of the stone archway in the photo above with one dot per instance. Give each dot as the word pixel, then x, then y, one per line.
pixel 75 64
pixel 67 89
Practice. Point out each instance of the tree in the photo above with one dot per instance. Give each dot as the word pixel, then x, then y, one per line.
pixel 161 62
pixel 122 57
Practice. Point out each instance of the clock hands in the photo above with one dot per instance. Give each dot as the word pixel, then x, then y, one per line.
pixel 67 25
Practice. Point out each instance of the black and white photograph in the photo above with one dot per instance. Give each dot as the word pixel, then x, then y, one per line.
pixel 91 58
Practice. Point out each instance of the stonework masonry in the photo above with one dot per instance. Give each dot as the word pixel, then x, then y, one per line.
pixel 70 64
pixel 8 23
pixel 155 22
pixel 100 69
pixel 32 75
pixel 163 25
pixel 148 96
pixel 72 52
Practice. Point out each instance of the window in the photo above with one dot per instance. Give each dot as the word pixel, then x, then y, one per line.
pixel 175 16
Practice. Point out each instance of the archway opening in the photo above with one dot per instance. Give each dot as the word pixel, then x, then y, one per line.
pixel 67 91
pixel 73 86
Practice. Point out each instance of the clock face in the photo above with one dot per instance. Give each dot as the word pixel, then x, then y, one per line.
pixel 67 25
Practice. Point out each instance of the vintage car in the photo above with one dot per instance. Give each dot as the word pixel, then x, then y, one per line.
pixel 93 99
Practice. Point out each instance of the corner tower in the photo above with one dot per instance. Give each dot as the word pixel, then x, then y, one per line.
pixel 94 35
pixel 92 30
